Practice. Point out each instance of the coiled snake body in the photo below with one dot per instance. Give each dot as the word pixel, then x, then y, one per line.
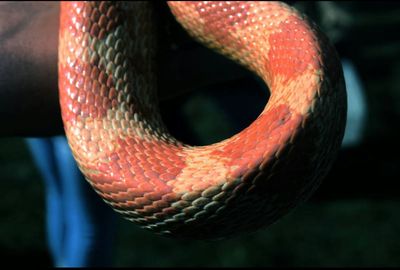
pixel 107 87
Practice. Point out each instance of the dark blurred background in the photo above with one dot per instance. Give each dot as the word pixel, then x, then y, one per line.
pixel 351 220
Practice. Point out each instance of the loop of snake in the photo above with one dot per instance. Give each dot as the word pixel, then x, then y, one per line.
pixel 107 87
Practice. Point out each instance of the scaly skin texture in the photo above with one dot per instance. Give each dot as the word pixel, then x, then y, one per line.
pixel 107 87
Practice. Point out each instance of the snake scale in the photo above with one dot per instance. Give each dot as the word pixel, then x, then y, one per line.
pixel 107 85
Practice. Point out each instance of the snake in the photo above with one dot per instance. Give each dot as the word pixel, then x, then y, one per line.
pixel 107 79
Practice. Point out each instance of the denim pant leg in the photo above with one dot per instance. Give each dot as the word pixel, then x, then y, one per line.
pixel 43 156
pixel 90 222
pixel 80 227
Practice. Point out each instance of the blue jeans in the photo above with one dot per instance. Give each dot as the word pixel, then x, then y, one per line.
pixel 80 226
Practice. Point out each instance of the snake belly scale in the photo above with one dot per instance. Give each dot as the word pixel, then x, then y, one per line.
pixel 107 85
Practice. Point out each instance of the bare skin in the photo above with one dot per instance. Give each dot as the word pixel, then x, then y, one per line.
pixel 28 68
